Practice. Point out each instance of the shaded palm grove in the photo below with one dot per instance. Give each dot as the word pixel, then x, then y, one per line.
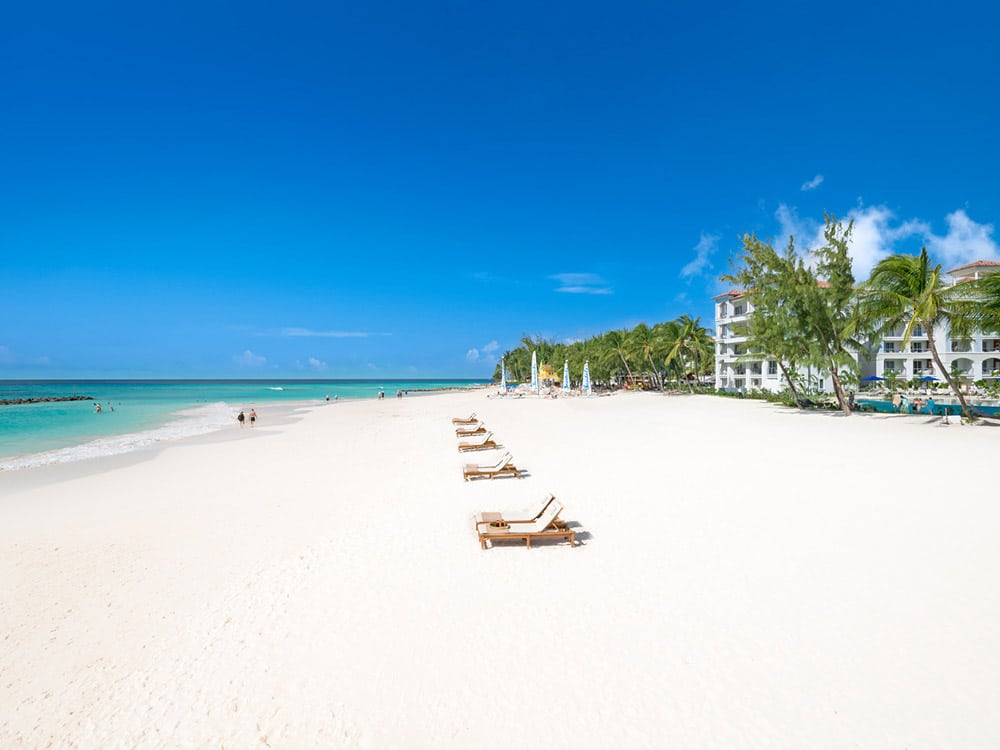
pixel 676 352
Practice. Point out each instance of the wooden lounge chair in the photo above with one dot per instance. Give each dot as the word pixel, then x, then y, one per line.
pixel 471 419
pixel 501 468
pixel 546 526
pixel 484 443
pixel 527 515
pixel 477 429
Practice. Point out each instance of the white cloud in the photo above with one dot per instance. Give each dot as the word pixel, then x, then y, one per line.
pixel 249 359
pixel 965 241
pixel 316 364
pixel 581 283
pixel 812 184
pixel 706 246
pixel 878 233
pixel 472 355
pixel 307 332
pixel 490 347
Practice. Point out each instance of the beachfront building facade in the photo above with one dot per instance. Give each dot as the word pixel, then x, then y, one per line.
pixel 972 358
pixel 737 366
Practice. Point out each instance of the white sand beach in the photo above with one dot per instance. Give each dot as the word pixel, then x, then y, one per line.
pixel 746 576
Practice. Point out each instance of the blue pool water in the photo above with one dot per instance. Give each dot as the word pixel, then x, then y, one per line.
pixel 147 411
pixel 886 407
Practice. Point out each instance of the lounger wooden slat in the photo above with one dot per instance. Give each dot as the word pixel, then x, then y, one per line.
pixel 525 515
pixel 471 419
pixel 478 429
pixel 482 444
pixel 501 468
pixel 546 526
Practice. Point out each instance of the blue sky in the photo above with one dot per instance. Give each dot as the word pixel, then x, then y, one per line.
pixel 405 189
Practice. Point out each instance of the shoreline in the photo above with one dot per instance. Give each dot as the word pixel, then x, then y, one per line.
pixel 178 425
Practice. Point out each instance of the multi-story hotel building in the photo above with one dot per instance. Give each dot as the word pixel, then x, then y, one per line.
pixel 973 358
pixel 737 367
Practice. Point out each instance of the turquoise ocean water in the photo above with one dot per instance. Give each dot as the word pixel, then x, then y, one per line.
pixel 151 411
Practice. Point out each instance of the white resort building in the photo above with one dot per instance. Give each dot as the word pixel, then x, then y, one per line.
pixel 972 358
pixel 737 367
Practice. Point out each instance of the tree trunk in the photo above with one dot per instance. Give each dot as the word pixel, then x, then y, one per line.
pixel 628 370
pixel 839 390
pixel 791 385
pixel 657 382
pixel 947 376
pixel 837 387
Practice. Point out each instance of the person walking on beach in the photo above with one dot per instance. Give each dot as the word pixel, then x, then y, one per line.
pixel 240 417
pixel 253 417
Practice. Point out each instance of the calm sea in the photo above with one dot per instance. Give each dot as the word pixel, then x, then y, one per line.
pixel 137 413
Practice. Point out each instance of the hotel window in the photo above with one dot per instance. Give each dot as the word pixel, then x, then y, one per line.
pixel 890 346
pixel 738 310
pixel 772 367
pixel 755 368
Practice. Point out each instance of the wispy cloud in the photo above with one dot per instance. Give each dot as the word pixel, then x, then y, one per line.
pixel 249 359
pixel 315 364
pixel 582 283
pixel 812 184
pixel 308 333
pixel 475 354
pixel 707 245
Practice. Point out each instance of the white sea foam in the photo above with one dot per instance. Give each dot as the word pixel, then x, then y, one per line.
pixel 199 420
pixel 275 388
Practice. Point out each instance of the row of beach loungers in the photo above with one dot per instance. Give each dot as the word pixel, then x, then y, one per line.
pixel 540 521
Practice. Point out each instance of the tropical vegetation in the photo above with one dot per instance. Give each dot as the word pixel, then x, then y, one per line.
pixel 679 352
pixel 802 304
pixel 906 291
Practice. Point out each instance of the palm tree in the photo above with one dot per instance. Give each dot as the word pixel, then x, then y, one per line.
pixel 644 342
pixel 617 343
pixel 688 348
pixel 906 289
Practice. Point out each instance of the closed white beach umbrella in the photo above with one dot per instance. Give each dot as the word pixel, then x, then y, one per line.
pixel 586 378
pixel 503 376
pixel 566 375
pixel 534 372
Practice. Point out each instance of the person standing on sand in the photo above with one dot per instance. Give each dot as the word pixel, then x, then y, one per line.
pixel 240 417
pixel 897 402
pixel 253 417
